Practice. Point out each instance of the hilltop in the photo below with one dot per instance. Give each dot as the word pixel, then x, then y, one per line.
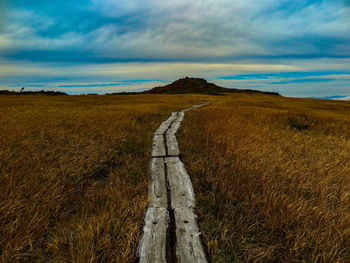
pixel 181 86
pixel 198 86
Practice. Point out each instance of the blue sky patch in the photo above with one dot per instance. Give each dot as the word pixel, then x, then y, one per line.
pixel 165 40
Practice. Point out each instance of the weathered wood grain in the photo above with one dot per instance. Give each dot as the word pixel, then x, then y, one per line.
pixel 158 146
pixel 181 190
pixel 173 147
pixel 188 246
pixel 158 190
pixel 173 128
pixel 180 116
pixel 165 124
pixel 152 246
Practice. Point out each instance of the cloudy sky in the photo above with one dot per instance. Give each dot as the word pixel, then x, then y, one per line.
pixel 297 48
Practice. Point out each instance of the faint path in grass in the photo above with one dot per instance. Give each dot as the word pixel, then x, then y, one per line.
pixel 170 233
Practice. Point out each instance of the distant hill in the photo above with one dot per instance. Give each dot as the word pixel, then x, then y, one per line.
pixel 198 86
pixel 41 92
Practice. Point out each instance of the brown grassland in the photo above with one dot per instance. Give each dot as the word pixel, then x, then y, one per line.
pixel 74 172
pixel 271 177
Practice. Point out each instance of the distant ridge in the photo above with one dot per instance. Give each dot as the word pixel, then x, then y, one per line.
pixel 40 92
pixel 198 86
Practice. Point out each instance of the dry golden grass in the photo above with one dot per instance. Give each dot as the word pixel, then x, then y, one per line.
pixel 271 177
pixel 74 173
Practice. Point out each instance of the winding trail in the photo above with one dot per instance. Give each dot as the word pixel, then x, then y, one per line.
pixel 170 233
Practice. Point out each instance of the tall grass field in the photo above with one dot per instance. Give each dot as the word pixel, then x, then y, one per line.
pixel 271 176
pixel 74 172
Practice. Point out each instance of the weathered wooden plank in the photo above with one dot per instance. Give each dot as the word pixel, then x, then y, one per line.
pixel 180 116
pixel 158 146
pixel 197 106
pixel 188 109
pixel 173 147
pixel 181 190
pixel 158 189
pixel 173 128
pixel 152 246
pixel 173 116
pixel 189 248
pixel 165 124
pixel 162 128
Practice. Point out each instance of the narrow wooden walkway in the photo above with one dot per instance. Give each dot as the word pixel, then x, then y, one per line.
pixel 170 233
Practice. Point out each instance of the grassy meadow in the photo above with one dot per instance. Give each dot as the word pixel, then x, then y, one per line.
pixel 74 173
pixel 271 177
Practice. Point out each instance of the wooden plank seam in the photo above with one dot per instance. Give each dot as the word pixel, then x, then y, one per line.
pixel 171 232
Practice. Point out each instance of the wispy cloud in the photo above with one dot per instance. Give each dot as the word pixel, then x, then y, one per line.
pixel 113 40
pixel 178 30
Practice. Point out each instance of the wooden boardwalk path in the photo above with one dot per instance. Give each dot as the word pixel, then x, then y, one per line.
pixel 170 233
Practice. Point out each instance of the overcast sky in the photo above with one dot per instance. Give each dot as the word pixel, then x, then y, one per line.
pixel 297 48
